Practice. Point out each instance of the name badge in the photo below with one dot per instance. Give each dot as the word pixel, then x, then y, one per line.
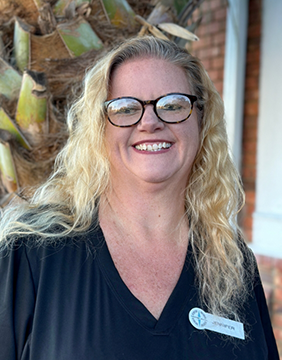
pixel 202 320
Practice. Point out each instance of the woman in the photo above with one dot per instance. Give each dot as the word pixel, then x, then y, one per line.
pixel 131 249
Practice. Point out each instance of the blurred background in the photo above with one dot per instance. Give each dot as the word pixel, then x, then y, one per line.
pixel 47 45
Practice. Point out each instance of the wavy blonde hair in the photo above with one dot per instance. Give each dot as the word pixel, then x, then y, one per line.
pixel 68 202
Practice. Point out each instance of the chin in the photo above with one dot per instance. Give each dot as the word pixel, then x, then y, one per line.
pixel 155 178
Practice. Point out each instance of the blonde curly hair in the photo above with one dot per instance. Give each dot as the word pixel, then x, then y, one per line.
pixel 68 202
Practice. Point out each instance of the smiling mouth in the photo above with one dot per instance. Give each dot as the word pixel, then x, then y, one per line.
pixel 153 147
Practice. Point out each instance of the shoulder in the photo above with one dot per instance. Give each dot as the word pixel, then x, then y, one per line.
pixel 53 239
pixel 33 253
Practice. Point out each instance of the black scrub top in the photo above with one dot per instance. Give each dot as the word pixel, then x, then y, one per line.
pixel 68 302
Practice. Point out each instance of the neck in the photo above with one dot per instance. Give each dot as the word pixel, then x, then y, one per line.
pixel 152 211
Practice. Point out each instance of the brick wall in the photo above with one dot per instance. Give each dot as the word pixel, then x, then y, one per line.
pixel 211 47
pixel 271 275
pixel 250 123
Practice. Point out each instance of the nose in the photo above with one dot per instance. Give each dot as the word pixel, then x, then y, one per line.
pixel 149 121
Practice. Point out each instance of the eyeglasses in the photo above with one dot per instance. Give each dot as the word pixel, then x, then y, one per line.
pixel 171 108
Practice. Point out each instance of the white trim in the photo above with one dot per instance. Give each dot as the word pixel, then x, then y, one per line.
pixel 267 235
pixel 234 74
pixel 267 225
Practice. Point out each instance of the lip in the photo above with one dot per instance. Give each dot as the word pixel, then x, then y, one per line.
pixel 152 141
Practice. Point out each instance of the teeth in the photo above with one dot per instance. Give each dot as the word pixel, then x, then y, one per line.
pixel 154 147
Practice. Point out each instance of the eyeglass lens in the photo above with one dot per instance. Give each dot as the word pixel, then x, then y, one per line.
pixel 170 108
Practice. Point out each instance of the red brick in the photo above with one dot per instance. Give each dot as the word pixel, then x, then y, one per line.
pixel 208 18
pixel 219 86
pixel 251 94
pixel 207 41
pixel 253 43
pixel 278 264
pixel 266 277
pixel 207 64
pixel 251 83
pixel 248 222
pixel 277 295
pixel 216 51
pixel 254 30
pixel 219 38
pixel 250 197
pixel 201 54
pixel 249 159
pixel 265 261
pixel 216 75
pixel 214 27
pixel 255 16
pixel 215 4
pixel 251 108
pixel 197 45
pixel 251 134
pixel 222 26
pixel 278 278
pixel 250 209
pixel 277 307
pixel 207 53
pixel 278 268
pixel 250 121
pixel 202 31
pixel 217 62
pixel 212 74
pixel 253 56
pixel 249 172
pixel 250 146
pixel 255 6
pixel 277 320
pixel 222 50
pixel 221 74
pixel 254 70
pixel 220 14
pixel 206 6
pixel 249 185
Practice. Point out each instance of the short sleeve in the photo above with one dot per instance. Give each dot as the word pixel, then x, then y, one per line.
pixel 17 299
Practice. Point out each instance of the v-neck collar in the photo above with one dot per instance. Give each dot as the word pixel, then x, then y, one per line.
pixel 174 306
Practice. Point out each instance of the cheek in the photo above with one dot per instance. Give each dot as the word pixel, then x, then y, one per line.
pixel 109 142
pixel 191 134
pixel 116 140
pixel 112 135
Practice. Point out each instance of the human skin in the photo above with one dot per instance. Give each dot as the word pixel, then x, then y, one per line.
pixel 145 79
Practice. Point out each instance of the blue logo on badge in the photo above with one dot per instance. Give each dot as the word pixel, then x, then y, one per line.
pixel 198 318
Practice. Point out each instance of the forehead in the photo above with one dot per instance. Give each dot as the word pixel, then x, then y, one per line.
pixel 147 78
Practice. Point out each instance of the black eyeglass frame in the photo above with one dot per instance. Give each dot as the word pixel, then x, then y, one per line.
pixel 192 99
